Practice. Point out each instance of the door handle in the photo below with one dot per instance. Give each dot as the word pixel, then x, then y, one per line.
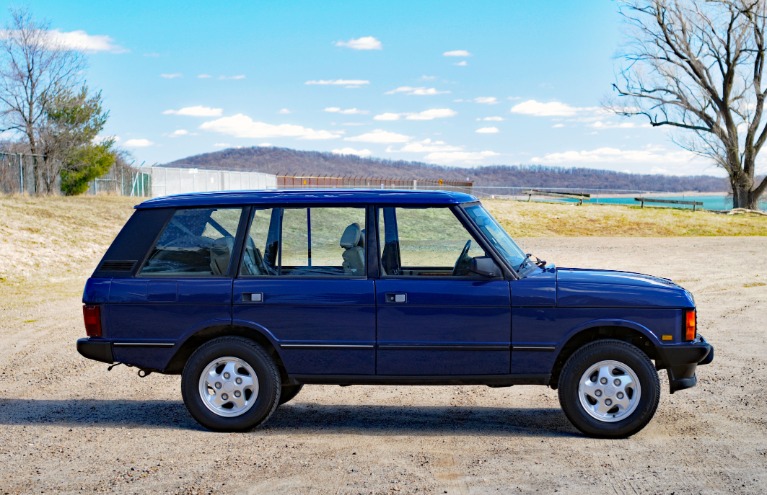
pixel 396 297
pixel 253 297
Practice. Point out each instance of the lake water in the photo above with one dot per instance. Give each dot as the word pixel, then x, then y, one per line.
pixel 710 202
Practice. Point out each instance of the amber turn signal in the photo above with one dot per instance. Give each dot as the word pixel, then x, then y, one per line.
pixel 690 324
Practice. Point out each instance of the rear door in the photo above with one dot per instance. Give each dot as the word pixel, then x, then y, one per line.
pixel 435 318
pixel 303 282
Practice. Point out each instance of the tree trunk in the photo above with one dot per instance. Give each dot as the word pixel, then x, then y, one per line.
pixel 743 197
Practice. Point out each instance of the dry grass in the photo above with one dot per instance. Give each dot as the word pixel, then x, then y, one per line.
pixel 55 238
pixel 522 219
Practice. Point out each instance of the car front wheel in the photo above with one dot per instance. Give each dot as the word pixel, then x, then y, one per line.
pixel 609 389
pixel 230 384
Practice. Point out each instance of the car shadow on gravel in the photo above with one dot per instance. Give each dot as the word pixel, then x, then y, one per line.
pixel 424 420
pixel 298 417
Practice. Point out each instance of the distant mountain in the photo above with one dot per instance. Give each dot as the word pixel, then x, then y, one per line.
pixel 284 161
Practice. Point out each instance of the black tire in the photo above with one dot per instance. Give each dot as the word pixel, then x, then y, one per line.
pixel 236 366
pixel 289 392
pixel 619 407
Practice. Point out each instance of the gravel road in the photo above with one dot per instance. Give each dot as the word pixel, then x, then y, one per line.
pixel 69 426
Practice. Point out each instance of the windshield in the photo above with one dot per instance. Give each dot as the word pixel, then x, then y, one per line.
pixel 498 237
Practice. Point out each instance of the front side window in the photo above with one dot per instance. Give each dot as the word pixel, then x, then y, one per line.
pixel 195 242
pixel 425 242
pixel 306 242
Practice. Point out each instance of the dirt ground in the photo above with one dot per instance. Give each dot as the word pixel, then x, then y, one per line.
pixel 67 425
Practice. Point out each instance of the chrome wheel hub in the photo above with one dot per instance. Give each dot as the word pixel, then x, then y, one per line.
pixel 228 386
pixel 609 391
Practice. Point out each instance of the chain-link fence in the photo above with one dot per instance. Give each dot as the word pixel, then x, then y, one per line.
pixel 16 173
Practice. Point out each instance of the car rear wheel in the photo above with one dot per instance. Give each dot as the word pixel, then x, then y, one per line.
pixel 609 389
pixel 230 384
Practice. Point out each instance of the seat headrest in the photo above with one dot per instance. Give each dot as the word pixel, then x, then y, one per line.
pixel 351 236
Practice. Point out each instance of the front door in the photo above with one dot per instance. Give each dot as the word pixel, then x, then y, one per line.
pixel 435 317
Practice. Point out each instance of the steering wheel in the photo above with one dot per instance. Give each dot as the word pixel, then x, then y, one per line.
pixel 461 257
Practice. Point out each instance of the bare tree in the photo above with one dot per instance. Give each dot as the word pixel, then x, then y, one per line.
pixel 34 67
pixel 698 67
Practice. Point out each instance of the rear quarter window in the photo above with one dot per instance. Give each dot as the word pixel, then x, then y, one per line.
pixel 195 242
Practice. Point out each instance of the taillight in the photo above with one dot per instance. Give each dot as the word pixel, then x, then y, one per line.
pixel 92 318
pixel 690 325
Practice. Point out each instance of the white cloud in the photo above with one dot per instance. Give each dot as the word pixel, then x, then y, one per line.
pixel 601 124
pixel 424 146
pixel 204 76
pixel 363 43
pixel 598 157
pixel 172 75
pixel 380 136
pixel 558 126
pixel 137 143
pixel 460 157
pixel 73 40
pixel 352 151
pixel 284 111
pixel 242 126
pixel 347 83
pixel 492 119
pixel 416 91
pixel 462 63
pixel 196 111
pixel 486 100
pixel 346 111
pixel 431 114
pixel 237 77
pixel 487 130
pixel 222 145
pixel 388 116
pixel 457 53
pixel 549 109
pixel 179 133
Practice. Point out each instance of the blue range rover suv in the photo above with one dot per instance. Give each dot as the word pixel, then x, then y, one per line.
pixel 250 295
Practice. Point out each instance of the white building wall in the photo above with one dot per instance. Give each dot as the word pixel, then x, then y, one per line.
pixel 166 180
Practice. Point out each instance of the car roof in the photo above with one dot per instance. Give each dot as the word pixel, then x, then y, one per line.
pixel 309 197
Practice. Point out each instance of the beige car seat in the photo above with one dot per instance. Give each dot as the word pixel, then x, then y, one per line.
pixel 354 253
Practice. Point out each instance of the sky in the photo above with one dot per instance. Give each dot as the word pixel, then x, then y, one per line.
pixel 446 82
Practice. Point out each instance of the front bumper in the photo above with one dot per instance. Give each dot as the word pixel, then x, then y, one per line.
pixel 682 360
pixel 98 350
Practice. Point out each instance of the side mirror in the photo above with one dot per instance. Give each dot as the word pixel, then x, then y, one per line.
pixel 485 266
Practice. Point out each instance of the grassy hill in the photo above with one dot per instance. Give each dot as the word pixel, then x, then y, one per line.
pixel 284 161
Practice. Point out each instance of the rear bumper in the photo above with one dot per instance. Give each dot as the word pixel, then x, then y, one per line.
pixel 98 350
pixel 682 361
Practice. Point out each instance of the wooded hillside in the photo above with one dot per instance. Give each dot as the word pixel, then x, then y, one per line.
pixel 284 161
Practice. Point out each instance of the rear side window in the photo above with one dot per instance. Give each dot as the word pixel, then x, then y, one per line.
pixel 195 242
pixel 306 242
